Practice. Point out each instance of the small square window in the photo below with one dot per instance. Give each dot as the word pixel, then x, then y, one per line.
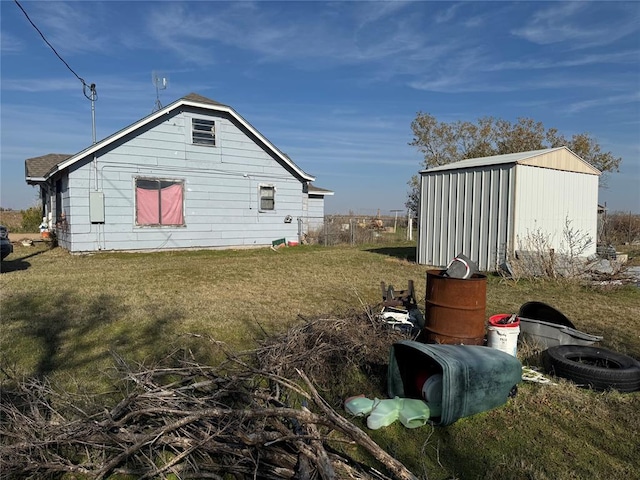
pixel 203 132
pixel 267 197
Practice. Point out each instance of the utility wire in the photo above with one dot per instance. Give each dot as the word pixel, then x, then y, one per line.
pixel 92 87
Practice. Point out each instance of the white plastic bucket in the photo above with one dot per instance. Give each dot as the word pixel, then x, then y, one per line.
pixel 503 338
pixel 432 394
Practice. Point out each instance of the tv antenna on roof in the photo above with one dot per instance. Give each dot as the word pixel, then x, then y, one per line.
pixel 161 82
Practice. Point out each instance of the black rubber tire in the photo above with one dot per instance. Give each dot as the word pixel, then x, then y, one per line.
pixel 593 367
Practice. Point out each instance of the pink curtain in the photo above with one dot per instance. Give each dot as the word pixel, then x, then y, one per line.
pixel 163 209
pixel 171 202
pixel 147 206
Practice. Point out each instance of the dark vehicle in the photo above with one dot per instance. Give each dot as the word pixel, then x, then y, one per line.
pixel 6 248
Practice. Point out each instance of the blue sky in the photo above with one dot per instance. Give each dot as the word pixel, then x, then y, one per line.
pixel 334 85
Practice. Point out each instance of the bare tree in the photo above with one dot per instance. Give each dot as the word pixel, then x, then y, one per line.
pixel 442 143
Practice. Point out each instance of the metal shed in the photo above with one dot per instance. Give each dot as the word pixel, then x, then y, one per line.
pixel 486 207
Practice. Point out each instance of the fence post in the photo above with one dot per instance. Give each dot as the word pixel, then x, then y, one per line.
pixel 326 233
pixel 351 233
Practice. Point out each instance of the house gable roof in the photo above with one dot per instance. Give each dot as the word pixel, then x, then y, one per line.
pixel 190 100
pixel 559 158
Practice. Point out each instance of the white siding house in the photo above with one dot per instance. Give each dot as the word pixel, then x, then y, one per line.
pixel 194 174
pixel 488 208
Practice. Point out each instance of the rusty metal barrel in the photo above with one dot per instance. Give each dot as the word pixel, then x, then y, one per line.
pixel 455 309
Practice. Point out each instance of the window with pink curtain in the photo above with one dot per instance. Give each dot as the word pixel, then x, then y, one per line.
pixel 159 202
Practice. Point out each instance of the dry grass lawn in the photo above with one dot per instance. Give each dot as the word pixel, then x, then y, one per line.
pixel 63 315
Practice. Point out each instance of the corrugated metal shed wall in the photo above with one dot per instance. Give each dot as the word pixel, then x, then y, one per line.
pixel 546 199
pixel 466 211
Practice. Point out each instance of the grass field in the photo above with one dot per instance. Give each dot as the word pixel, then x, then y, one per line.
pixel 62 315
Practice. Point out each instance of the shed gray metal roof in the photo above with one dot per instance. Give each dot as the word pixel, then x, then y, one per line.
pixel 193 100
pixel 36 168
pixel 559 158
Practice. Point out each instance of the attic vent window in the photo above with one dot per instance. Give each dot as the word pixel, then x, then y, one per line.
pixel 203 132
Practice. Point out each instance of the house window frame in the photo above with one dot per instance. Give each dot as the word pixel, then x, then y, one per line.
pixel 266 187
pixel 175 181
pixel 202 132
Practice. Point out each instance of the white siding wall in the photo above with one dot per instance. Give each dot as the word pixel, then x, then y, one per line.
pixel 315 212
pixel 465 211
pixel 547 198
pixel 221 202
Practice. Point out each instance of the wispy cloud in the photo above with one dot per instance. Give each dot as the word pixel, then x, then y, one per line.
pixel 461 84
pixel 52 135
pixel 459 71
pixel 71 27
pixel 196 34
pixel 38 85
pixel 388 40
pixel 580 24
pixel 10 44
pixel 380 32
pixel 628 57
pixel 605 101
pixel 366 13
pixel 447 14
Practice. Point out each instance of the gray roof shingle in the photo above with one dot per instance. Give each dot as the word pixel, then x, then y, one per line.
pixel 194 97
pixel 38 167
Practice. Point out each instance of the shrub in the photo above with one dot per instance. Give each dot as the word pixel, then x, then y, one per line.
pixel 31 219
pixel 535 256
pixel 621 228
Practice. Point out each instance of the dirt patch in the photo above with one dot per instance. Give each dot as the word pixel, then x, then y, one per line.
pixel 18 237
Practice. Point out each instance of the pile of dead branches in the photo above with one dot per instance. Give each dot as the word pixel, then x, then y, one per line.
pixel 327 349
pixel 181 419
